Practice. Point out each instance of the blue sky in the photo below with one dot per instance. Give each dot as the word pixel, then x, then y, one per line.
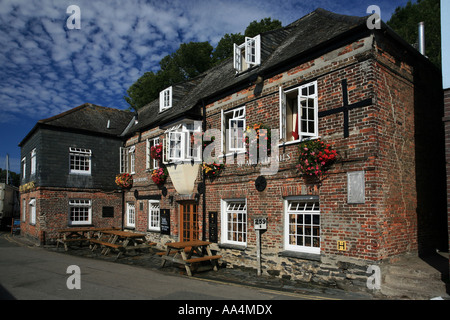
pixel 46 68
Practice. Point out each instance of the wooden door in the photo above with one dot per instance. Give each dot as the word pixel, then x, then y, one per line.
pixel 189 229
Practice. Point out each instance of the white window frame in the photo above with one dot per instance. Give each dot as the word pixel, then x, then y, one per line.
pixel 154 217
pixel 24 209
pixel 132 154
pixel 82 156
pixel 131 215
pixel 228 134
pixel 127 159
pixel 81 204
pixel 33 162
pixel 179 137
pixel 151 164
pixel 226 209
pixel 290 230
pixel 302 114
pixel 247 54
pixel 24 168
pixel 32 205
pixel 165 99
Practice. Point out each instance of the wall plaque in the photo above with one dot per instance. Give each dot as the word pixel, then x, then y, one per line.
pixel 165 221
pixel 213 226
pixel 356 187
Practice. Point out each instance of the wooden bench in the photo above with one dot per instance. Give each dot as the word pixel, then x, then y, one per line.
pixel 105 243
pixel 204 258
pixel 65 241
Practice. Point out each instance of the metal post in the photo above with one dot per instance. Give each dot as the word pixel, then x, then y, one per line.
pixel 258 251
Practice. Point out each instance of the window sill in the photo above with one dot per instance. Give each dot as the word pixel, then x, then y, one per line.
pixel 79 173
pixel 300 255
pixel 232 246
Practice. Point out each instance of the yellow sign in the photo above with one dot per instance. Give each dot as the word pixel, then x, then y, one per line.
pixel 342 245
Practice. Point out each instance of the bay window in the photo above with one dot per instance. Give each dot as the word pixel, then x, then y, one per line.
pixel 183 142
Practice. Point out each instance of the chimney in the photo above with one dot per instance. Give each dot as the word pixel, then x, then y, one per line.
pixel 422 38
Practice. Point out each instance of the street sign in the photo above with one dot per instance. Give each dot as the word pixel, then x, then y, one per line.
pixel 260 223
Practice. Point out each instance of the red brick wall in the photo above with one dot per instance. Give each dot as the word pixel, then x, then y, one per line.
pixel 52 210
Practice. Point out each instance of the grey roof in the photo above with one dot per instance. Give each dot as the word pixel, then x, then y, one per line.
pixel 88 118
pixel 277 47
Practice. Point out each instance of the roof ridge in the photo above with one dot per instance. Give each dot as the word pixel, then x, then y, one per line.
pixel 63 114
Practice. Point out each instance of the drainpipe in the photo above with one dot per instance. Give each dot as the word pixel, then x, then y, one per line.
pixel 204 176
pixel 422 38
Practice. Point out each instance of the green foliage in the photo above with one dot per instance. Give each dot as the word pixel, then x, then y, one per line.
pixel 14 177
pixel 405 22
pixel 189 61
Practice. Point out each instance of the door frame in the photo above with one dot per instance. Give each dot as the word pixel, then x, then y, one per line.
pixel 194 227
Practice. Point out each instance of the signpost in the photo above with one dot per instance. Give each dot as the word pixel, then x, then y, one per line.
pixel 260 225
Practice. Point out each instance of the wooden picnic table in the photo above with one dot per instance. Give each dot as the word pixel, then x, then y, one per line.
pixel 191 252
pixel 122 241
pixel 77 234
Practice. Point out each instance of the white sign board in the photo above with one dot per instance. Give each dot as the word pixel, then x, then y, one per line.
pixel 260 223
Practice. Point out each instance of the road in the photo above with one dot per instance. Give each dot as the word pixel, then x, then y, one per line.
pixel 28 272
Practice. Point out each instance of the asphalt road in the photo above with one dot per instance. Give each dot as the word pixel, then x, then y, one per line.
pixel 33 273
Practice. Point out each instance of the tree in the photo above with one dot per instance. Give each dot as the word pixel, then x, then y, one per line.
pixel 405 22
pixel 189 61
pixel 266 24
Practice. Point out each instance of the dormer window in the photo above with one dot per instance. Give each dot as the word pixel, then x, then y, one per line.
pixel 248 54
pixel 165 99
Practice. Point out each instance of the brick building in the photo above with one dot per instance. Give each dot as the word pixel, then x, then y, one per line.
pixel 367 93
pixel 69 163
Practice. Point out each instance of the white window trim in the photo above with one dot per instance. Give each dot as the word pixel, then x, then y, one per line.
pixel 300 97
pixel 238 114
pixel 81 203
pixel 132 155
pixel 151 163
pixel 224 224
pixel 299 248
pixel 33 162
pixel 80 152
pixel 165 99
pixel 24 209
pixel 158 227
pixel 32 205
pixel 24 168
pixel 243 54
pixel 133 223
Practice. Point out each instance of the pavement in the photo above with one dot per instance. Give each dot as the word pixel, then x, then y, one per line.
pixel 238 276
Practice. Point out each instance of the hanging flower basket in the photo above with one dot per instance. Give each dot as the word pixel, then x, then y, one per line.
pixel 316 157
pixel 156 152
pixel 260 136
pixel 159 176
pixel 124 180
pixel 212 170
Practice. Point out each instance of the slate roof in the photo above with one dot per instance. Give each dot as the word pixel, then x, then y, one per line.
pixel 278 47
pixel 88 118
